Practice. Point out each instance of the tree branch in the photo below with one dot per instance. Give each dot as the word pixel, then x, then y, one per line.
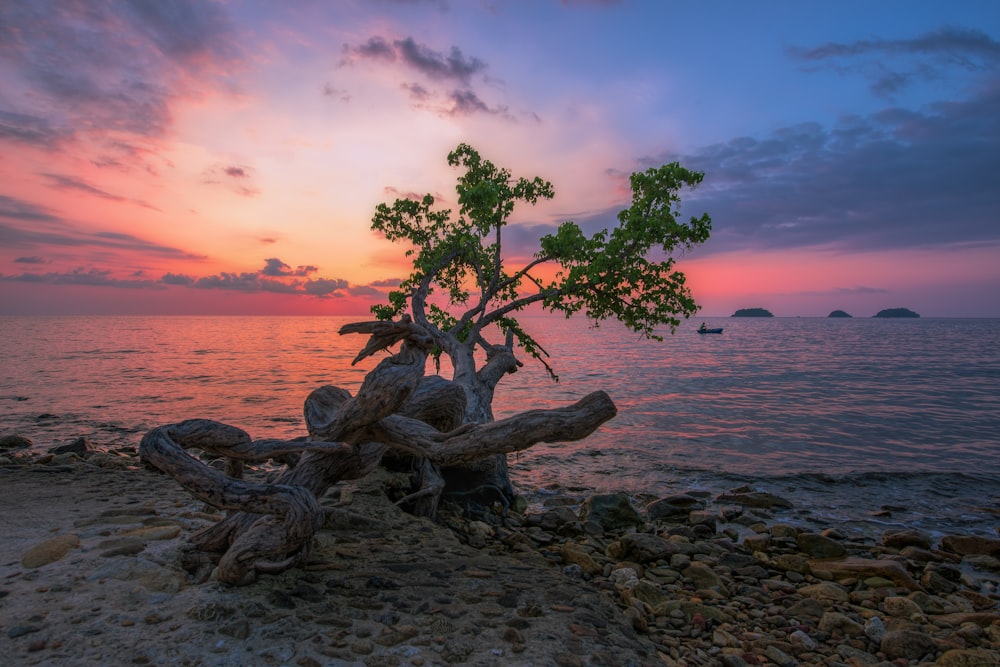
pixel 474 442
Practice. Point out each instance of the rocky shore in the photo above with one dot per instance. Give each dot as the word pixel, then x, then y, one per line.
pixel 93 570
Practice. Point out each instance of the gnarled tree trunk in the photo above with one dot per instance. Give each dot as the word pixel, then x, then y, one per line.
pixel 397 409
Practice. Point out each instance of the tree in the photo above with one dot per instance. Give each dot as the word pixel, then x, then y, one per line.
pixel 460 293
pixel 610 274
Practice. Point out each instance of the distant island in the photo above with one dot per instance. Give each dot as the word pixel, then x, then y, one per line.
pixel 896 312
pixel 839 313
pixel 753 312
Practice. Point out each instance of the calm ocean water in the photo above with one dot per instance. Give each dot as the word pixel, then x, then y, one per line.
pixel 842 416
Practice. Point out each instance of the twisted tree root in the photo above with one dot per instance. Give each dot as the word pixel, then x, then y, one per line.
pixel 291 515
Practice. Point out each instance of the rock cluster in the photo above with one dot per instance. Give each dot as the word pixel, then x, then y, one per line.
pixel 596 580
pixel 725 587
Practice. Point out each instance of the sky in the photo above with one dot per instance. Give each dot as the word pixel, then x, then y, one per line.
pixel 226 157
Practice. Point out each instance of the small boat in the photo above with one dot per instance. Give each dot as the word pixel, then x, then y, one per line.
pixel 704 331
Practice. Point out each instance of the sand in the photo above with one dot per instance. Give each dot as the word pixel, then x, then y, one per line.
pixel 382 588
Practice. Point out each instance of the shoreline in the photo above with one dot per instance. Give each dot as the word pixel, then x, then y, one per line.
pixel 865 502
pixel 579 580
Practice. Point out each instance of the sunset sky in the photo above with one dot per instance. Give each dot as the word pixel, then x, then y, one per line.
pixel 199 157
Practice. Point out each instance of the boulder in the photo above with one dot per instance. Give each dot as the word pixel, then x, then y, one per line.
pixel 646 548
pixel 895 605
pixel 820 546
pixel 80 446
pixel 574 555
pixel 908 537
pixel 49 551
pixel 906 644
pixel 673 508
pixel 613 511
pixel 862 568
pixel 15 441
pixel 703 576
pixel 960 657
pixel 971 545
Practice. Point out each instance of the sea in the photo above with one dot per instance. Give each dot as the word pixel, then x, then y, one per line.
pixel 863 424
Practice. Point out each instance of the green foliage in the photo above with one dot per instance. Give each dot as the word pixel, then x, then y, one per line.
pixel 626 273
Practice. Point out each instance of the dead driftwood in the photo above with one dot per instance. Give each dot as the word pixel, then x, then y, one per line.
pixel 270 525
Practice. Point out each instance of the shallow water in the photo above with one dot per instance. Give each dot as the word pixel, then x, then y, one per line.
pixel 842 416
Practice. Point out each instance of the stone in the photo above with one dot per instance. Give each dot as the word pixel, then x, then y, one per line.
pixel 647 593
pixel 983 562
pixel 700 518
pixel 935 583
pixel 573 555
pixel 624 578
pixel 825 590
pixel 861 568
pixel 49 551
pixel 613 511
pixel 978 601
pixel 933 604
pixel 757 542
pixel 793 563
pixel 155 532
pixel 984 619
pixel 907 537
pixel 819 546
pixel 703 576
pixel 784 530
pixel 689 610
pixel 968 658
pixel 900 607
pixel 15 441
pixel 673 508
pixel 971 545
pixel 806 609
pixel 802 642
pixel 834 621
pixel 22 630
pixel 646 548
pixel 779 657
pixel 143 572
pixel 80 446
pixel 554 519
pixel 875 629
pixel 906 644
pixel 923 555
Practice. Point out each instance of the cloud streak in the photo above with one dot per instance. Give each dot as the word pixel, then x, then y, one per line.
pixel 451 66
pixel 894 64
pixel 91 277
pixel 31 226
pixel 276 276
pixel 63 182
pixel 238 178
pixel 109 72
pixel 893 180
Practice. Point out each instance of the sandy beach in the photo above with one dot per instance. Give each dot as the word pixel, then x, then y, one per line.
pixel 91 573
pixel 382 587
